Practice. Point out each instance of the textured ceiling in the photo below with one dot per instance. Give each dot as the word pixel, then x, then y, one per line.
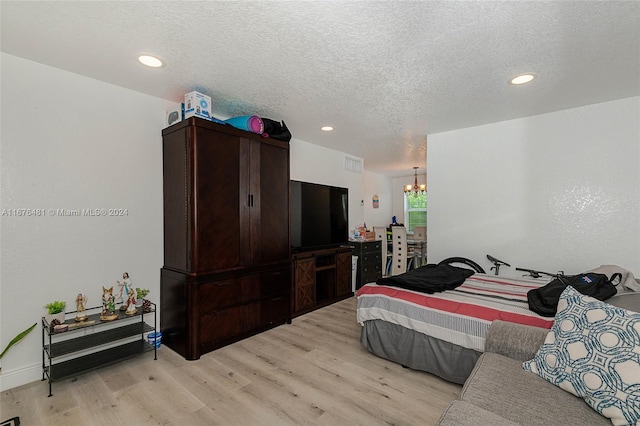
pixel 385 74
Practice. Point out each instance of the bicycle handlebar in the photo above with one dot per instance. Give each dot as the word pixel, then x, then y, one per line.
pixel 498 261
pixel 538 274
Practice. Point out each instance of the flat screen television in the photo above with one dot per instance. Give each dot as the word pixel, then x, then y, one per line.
pixel 319 216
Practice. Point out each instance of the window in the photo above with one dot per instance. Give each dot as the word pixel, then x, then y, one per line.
pixel 415 211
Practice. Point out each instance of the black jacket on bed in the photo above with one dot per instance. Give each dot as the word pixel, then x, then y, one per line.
pixel 429 278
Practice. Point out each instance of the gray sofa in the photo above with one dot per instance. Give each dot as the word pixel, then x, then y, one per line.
pixel 500 392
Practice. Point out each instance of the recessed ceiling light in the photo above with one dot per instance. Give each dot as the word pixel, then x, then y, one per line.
pixel 151 61
pixel 326 128
pixel 522 78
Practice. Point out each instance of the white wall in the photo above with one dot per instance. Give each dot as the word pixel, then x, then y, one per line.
pixel 71 142
pixel 316 164
pixel 558 191
pixel 376 184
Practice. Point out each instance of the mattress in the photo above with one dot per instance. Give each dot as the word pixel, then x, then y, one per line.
pixel 461 316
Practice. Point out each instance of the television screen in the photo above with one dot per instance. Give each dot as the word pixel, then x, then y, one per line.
pixel 319 215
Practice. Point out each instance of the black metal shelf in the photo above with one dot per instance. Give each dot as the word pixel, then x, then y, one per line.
pixel 92 321
pixel 96 334
pixel 76 366
pixel 96 339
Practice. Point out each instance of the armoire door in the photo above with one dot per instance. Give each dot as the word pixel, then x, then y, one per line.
pixel 266 239
pixel 216 200
pixel 273 237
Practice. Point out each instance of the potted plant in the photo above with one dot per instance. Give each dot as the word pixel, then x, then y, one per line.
pixel 56 311
pixel 141 293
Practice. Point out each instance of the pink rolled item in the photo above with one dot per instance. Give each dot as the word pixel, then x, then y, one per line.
pixel 250 123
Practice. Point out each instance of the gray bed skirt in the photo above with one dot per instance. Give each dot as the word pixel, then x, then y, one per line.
pixel 418 351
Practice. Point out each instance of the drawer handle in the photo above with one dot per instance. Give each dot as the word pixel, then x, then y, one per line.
pixel 223 283
pixel 275 299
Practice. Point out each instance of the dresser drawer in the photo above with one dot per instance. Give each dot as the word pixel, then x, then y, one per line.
pixel 219 294
pixel 274 310
pixel 219 325
pixel 372 247
pixel 375 267
pixel 370 259
pixel 361 248
pixel 371 274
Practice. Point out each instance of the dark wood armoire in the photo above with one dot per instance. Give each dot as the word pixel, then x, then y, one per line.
pixel 227 265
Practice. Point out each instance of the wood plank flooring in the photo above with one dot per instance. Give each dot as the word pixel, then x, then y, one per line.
pixel 311 372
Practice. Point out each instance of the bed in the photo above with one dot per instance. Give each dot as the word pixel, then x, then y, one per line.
pixel 442 333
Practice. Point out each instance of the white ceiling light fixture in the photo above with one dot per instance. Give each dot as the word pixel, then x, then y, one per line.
pixel 151 61
pixel 523 78
pixel 326 128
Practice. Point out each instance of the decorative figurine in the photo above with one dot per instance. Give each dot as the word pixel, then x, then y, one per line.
pixel 125 289
pixel 108 305
pixel 131 303
pixel 80 308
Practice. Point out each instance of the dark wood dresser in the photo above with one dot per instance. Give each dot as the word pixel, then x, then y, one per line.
pixel 369 267
pixel 227 253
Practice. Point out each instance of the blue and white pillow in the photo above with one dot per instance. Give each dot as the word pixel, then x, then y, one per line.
pixel 593 351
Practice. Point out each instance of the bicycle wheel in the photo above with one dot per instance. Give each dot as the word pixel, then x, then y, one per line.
pixel 463 262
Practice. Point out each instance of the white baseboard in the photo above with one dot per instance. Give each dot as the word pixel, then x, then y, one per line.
pixel 20 376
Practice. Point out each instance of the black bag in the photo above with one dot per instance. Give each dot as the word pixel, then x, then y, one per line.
pixel 275 130
pixel 544 300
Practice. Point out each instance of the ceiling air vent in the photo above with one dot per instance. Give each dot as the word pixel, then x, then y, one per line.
pixel 353 164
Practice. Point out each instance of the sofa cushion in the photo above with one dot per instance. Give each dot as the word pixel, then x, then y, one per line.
pixel 517 341
pixel 499 384
pixel 593 351
pixel 461 413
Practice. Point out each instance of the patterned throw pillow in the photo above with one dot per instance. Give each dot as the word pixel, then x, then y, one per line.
pixel 593 351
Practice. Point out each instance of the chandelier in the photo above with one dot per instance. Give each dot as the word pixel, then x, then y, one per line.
pixel 416 189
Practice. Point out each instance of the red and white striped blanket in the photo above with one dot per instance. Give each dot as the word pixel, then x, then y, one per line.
pixel 461 316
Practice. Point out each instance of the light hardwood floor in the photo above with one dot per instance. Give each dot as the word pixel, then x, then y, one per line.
pixel 313 371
